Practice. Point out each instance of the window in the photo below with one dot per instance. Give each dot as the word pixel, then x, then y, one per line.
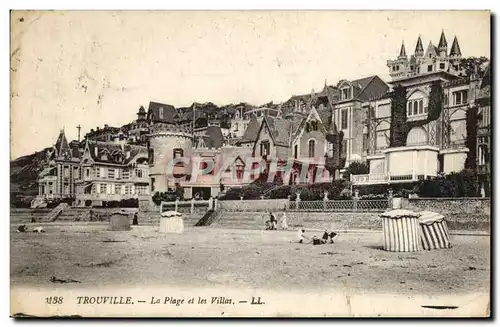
pixel 264 148
pixel 412 67
pixel 312 145
pixel 98 172
pixel 138 173
pixel 296 151
pixel 118 189
pixel 329 149
pixel 103 188
pixel 346 94
pixel 239 170
pixel 126 174
pixel 152 184
pixel 87 172
pixel 160 112
pixel 343 120
pixel 415 108
pixel 429 68
pixel 178 153
pixel 441 65
pixel 128 189
pixel 111 173
pixel 344 149
pixel 459 97
pixel 66 171
pixel 151 156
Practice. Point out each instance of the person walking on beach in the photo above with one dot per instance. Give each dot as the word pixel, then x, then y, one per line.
pixel 284 223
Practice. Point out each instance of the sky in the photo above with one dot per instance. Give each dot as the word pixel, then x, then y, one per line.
pixel 71 68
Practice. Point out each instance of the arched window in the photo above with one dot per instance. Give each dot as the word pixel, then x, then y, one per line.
pixel 408 108
pixel 421 107
pixel 417 136
pixel 415 107
pixel 312 145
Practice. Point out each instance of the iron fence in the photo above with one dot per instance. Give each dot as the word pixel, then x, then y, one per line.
pixel 356 205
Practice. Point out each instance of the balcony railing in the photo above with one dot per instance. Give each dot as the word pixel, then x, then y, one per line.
pixel 382 178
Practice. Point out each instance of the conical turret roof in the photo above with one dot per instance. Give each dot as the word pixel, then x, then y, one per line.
pixel 419 48
pixel 455 48
pixel 442 41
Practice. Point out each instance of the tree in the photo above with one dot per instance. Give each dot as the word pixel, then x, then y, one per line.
pixel 400 126
pixel 356 168
pixel 468 66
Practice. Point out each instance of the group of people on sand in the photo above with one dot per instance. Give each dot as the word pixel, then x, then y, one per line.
pixel 272 223
pixel 326 238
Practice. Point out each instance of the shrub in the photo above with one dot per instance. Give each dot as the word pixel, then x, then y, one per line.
pixel 251 191
pixel 282 192
pixel 159 197
pixel 462 184
pixel 88 203
pixel 356 168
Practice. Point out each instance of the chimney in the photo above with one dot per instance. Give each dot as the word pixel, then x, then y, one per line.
pixel 106 125
pixel 97 128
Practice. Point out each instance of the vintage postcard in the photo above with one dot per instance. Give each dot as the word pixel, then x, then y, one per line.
pixel 250 164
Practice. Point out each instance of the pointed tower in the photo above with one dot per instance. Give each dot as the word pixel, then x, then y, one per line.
pixel 455 49
pixel 419 49
pixel 62 149
pixel 402 52
pixel 443 45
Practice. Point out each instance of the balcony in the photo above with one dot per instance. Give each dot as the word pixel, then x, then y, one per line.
pixel 368 179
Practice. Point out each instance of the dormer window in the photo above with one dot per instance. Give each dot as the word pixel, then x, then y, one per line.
pixel 346 93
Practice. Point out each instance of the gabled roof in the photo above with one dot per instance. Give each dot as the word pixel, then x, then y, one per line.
pixel 368 87
pixel 431 49
pixel 252 131
pixel 114 151
pixel 170 114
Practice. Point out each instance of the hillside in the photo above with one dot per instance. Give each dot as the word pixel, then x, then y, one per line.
pixel 24 171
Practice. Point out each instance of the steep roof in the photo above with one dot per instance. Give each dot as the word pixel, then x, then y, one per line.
pixel 442 41
pixel 62 147
pixel 116 153
pixel 402 52
pixel 161 112
pixel 431 49
pixel 419 48
pixel 252 131
pixel 213 137
pixel 368 87
pixel 455 48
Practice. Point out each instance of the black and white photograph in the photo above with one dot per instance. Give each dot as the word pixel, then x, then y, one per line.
pixel 272 164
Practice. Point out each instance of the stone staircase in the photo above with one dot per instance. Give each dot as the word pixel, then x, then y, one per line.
pixel 23 216
pixel 54 213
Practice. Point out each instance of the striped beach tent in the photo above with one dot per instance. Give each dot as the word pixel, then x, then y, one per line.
pixel 401 231
pixel 434 231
